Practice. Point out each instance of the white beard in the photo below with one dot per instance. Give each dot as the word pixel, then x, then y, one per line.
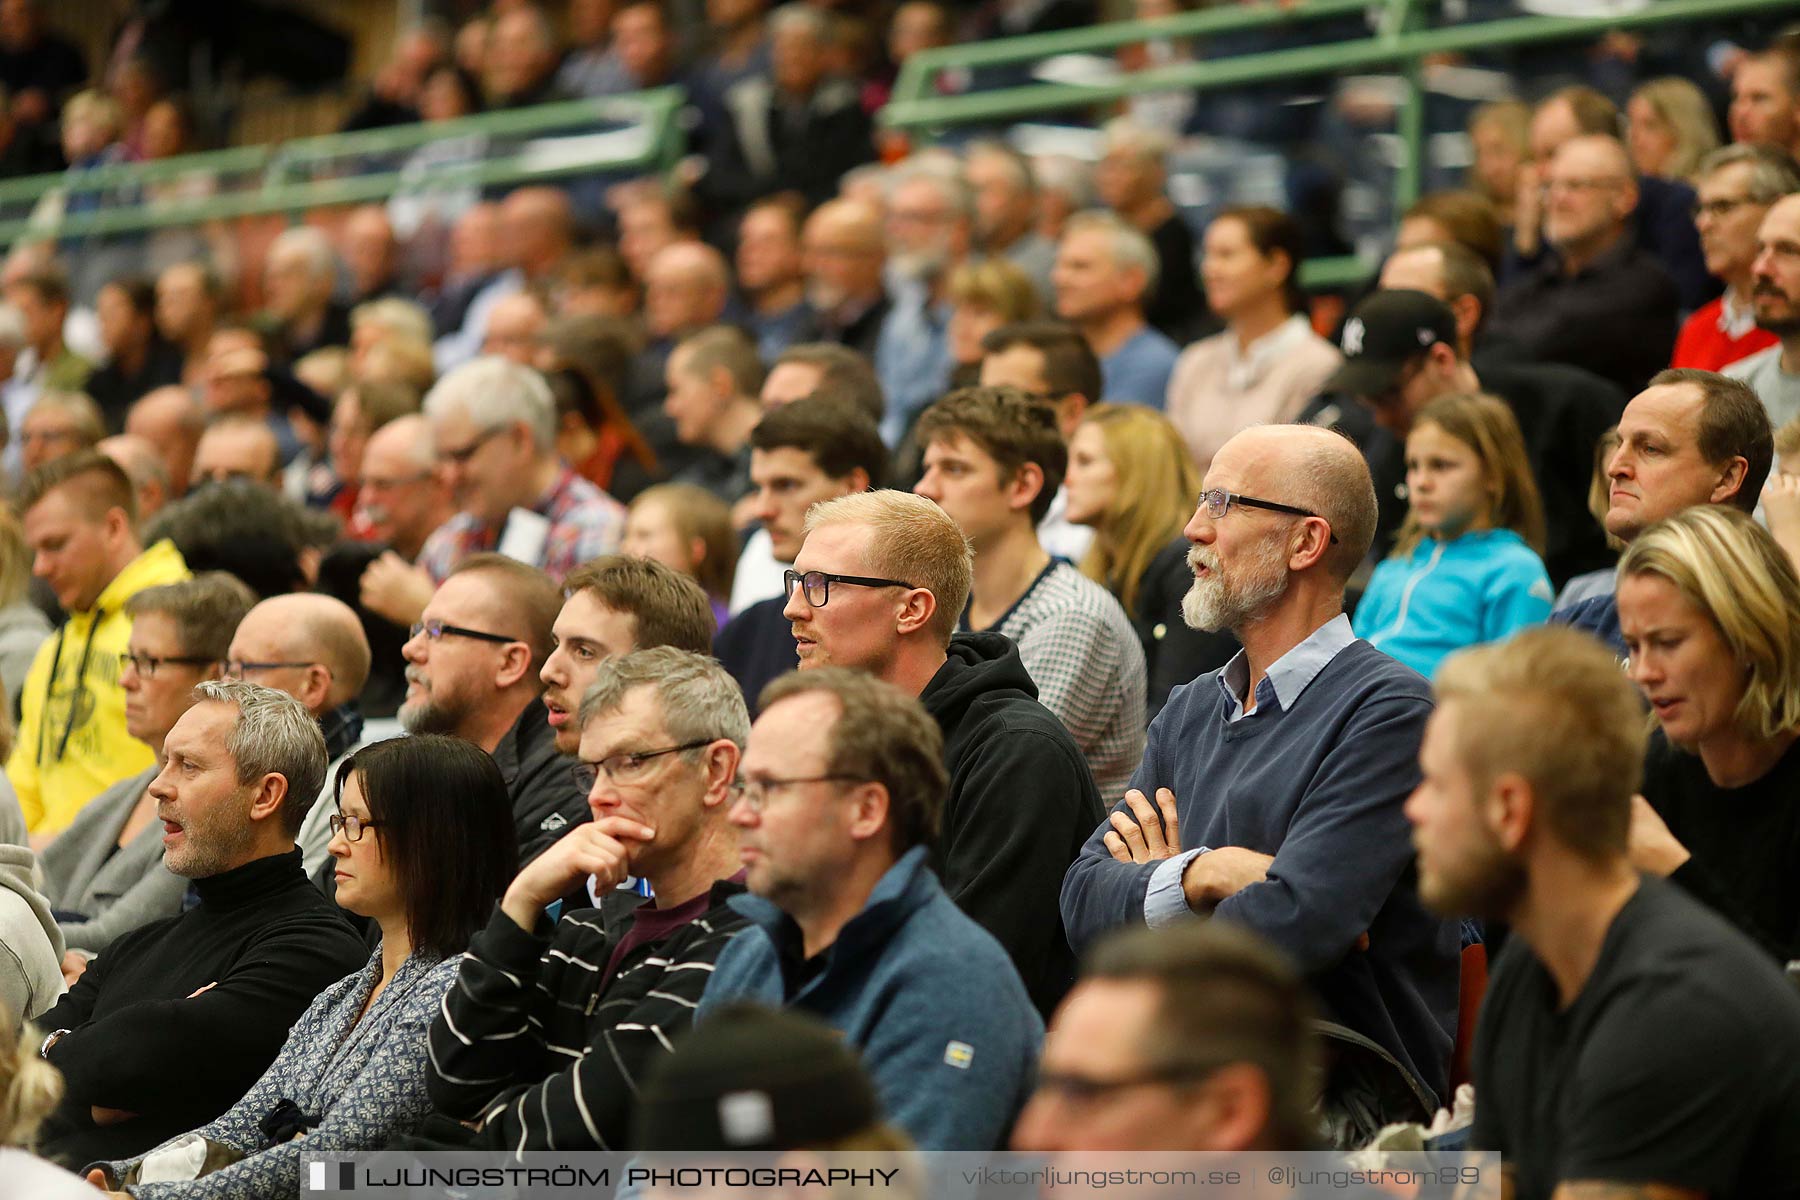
pixel 1231 600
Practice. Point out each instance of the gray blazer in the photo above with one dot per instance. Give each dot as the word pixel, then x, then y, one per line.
pixel 117 888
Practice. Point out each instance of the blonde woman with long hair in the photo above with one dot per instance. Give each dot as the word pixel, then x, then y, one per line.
pixel 1710 609
pixel 1132 481
pixel 1670 127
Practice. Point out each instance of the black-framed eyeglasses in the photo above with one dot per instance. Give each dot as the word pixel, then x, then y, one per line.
pixel 628 766
pixel 149 664
pixel 755 792
pixel 434 630
pixel 237 668
pixel 462 454
pixel 1217 502
pixel 351 827
pixel 1082 1089
pixel 816 585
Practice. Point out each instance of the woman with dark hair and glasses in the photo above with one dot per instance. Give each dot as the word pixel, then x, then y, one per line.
pixel 411 813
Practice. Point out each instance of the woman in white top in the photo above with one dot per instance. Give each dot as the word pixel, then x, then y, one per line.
pixel 1268 363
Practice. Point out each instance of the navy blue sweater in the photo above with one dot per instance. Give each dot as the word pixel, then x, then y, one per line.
pixel 1321 789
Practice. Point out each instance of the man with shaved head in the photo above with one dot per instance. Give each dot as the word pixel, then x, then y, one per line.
pixel 842 255
pixel 515 328
pixel 1600 302
pixel 145 468
pixel 171 420
pixel 685 290
pixel 238 448
pixel 1271 790
pixel 311 647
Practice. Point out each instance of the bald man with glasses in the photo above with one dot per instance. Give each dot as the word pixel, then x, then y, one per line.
pixel 311 647
pixel 1271 791
pixel 472 671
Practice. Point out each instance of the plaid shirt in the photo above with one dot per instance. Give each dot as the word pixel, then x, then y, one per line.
pixel 585 523
pixel 1088 665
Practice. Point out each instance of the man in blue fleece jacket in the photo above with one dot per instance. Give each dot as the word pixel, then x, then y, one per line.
pixel 839 797
pixel 1278 780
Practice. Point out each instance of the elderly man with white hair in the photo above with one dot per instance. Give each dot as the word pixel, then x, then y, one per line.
pixel 298 279
pixel 1271 792
pixel 930 232
pixel 1105 270
pixel 493 423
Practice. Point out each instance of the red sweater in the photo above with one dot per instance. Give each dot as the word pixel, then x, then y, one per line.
pixel 1702 342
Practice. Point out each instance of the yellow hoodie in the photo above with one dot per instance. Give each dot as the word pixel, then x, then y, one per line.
pixel 72 742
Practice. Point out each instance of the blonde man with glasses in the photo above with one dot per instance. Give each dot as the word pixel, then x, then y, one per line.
pixel 877 586
pixel 598 979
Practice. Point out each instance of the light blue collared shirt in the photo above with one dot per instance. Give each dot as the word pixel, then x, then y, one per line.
pixel 912 359
pixel 1165 902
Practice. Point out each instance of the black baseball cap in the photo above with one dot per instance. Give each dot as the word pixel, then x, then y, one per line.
pixel 752 1078
pixel 1385 332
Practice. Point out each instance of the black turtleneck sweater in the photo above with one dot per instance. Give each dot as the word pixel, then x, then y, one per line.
pixel 264 939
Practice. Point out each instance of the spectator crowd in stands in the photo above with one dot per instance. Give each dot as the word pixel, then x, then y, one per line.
pixel 925 635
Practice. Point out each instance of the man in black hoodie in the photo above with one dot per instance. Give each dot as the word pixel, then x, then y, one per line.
pixel 878 585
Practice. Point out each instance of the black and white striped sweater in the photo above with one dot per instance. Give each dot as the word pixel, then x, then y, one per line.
pixel 530 1044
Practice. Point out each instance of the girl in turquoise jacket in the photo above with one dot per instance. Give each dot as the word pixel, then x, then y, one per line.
pixel 1465 568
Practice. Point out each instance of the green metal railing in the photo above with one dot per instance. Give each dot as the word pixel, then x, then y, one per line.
pixel 291 177
pixel 1400 41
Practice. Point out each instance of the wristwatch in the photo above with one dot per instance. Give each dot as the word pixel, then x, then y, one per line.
pixel 55 1036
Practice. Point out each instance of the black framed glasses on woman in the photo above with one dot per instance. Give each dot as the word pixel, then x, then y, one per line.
pixel 1217 502
pixel 351 827
pixel 149 664
pixel 628 766
pixel 816 585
